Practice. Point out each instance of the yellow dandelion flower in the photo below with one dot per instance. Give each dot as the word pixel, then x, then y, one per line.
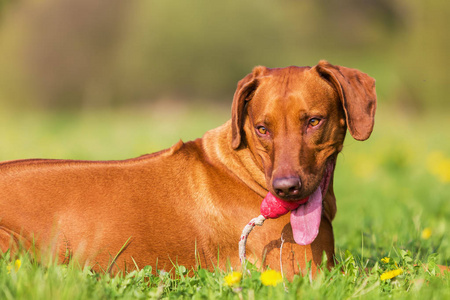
pixel 426 233
pixel 364 167
pixel 385 260
pixel 271 277
pixel 233 278
pixel 439 166
pixel 391 274
pixel 17 265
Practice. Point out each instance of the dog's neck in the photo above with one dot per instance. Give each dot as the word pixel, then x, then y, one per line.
pixel 217 145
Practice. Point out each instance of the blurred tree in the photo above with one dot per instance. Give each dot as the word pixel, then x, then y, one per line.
pixel 71 49
pixel 83 54
pixel 421 56
pixel 3 4
pixel 67 50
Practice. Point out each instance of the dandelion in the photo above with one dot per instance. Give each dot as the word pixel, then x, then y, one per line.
pixel 385 260
pixel 271 277
pixel 426 233
pixel 391 274
pixel 17 265
pixel 233 278
pixel 439 165
pixel 364 167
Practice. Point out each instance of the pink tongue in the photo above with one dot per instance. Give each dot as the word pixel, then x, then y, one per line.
pixel 305 220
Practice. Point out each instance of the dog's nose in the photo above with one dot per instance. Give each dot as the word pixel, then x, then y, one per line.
pixel 287 186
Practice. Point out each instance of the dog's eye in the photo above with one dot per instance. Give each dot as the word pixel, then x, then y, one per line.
pixel 314 122
pixel 262 130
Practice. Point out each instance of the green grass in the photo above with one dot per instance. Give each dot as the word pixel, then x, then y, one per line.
pixel 389 189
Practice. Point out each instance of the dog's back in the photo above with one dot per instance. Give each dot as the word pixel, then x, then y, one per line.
pixel 153 204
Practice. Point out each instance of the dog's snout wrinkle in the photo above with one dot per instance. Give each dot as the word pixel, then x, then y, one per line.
pixel 287 186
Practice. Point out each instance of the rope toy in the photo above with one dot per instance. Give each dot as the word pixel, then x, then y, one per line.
pixel 305 216
pixel 271 208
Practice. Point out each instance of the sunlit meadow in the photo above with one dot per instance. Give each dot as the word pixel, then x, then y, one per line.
pixel 393 213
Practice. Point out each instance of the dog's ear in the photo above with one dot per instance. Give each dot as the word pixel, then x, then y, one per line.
pixel 357 93
pixel 244 92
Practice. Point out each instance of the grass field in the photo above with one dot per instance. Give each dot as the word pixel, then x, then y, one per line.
pixel 392 190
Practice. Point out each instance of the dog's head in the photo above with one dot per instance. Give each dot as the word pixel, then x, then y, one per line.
pixel 294 121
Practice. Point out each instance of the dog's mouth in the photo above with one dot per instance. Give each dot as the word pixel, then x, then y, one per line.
pixel 306 213
pixel 329 168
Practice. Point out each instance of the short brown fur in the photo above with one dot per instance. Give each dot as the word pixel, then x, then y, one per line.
pixel 190 203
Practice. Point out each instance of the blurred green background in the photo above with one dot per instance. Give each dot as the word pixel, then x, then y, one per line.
pixel 111 79
pixel 63 54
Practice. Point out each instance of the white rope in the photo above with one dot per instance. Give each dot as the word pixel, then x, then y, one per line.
pixel 281 263
pixel 281 255
pixel 247 229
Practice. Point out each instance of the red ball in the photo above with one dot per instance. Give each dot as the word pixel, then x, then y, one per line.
pixel 273 207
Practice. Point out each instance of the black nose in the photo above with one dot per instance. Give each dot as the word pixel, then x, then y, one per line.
pixel 287 186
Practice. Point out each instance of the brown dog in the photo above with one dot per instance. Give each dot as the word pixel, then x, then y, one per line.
pixel 189 204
